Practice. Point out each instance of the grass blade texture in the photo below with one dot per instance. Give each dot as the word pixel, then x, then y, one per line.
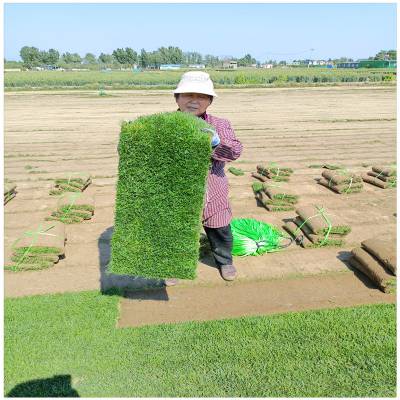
pixel 163 165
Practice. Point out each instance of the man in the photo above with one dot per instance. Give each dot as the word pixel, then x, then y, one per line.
pixel 194 94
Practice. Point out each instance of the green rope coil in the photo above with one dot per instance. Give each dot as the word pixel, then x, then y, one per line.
pixel 252 237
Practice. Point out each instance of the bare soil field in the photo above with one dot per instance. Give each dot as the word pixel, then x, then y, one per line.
pixel 51 134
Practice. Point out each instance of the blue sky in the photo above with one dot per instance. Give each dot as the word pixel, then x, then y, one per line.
pixel 267 31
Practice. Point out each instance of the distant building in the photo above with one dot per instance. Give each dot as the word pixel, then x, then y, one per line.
pixel 170 66
pixel 377 63
pixel 228 64
pixel 268 66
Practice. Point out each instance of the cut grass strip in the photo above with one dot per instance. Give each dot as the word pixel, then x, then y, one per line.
pixel 163 165
pixel 236 171
pixel 349 352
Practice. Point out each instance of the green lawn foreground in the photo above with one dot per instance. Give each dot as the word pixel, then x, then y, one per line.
pixel 331 353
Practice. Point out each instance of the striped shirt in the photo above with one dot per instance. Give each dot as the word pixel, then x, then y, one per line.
pixel 217 211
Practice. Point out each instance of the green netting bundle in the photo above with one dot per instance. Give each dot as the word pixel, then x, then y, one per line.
pixel 252 237
pixel 163 165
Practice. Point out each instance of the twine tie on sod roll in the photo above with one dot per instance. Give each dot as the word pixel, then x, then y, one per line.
pixel 351 181
pixel 278 185
pixel 341 171
pixel 74 196
pixel 322 213
pixel 391 184
pixel 35 235
pixel 74 173
pixel 272 165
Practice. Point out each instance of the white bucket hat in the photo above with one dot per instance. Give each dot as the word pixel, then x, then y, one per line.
pixel 196 82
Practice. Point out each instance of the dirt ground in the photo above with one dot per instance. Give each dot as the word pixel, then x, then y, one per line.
pixel 50 134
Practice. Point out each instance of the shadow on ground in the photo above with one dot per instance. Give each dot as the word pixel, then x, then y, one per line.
pixel 111 282
pixel 130 286
pixel 344 256
pixel 57 386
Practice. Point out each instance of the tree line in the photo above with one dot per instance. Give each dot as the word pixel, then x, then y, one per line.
pixel 33 57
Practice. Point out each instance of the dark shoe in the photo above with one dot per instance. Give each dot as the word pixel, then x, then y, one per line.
pixel 228 272
pixel 171 281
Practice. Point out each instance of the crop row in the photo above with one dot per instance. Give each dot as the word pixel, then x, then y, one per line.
pixel 129 79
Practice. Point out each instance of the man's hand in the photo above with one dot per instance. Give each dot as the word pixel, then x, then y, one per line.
pixel 215 140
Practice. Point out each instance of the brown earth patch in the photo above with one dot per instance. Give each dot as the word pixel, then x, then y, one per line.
pixel 174 304
pixel 55 133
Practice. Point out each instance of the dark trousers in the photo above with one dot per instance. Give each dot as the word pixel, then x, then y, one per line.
pixel 221 241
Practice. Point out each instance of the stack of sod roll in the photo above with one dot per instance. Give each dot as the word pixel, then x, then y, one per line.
pixel 274 172
pixel 376 258
pixel 341 181
pixel 9 192
pixel 73 208
pixel 164 162
pixel 40 248
pixel 315 227
pixel 76 182
pixel 275 196
pixel 383 177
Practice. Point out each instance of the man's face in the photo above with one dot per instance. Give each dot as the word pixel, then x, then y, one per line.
pixel 194 103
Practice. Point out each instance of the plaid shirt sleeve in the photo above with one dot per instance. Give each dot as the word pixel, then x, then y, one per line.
pixel 230 148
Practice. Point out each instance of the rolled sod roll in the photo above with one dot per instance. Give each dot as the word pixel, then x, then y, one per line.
pixel 378 182
pixel 259 177
pixel 163 166
pixel 65 218
pixel 320 240
pixel 8 197
pixel 313 216
pixel 35 258
pixel 280 192
pixel 76 201
pixel 298 235
pixel 340 177
pixel 9 187
pixel 343 188
pixel 382 177
pixel 80 177
pixel 388 171
pixel 26 266
pixel 48 237
pixel 274 170
pixel 257 187
pixel 367 264
pixel 278 178
pixel 383 250
pixel 274 205
pixel 332 166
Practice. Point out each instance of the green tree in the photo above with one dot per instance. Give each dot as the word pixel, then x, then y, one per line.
pixel 143 58
pixel 155 59
pixel 89 59
pixel 246 61
pixel 71 58
pixel 30 56
pixel 120 56
pixel 53 56
pixel 192 57
pixel 211 61
pixel 386 55
pixel 106 58
pixel 131 56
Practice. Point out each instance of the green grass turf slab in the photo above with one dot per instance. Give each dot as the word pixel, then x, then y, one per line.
pixel 163 165
pixel 349 352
